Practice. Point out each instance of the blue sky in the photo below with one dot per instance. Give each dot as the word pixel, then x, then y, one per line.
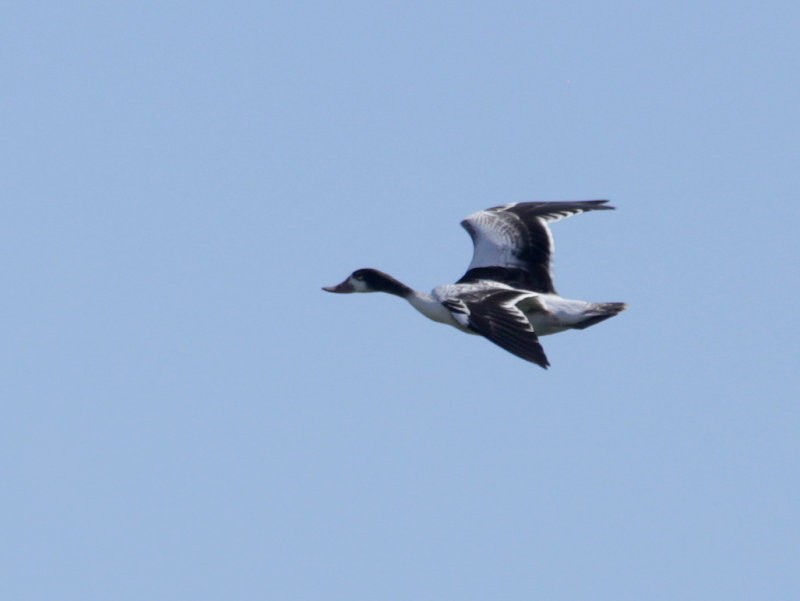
pixel 187 415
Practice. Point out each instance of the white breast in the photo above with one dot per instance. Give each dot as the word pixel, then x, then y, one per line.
pixel 432 308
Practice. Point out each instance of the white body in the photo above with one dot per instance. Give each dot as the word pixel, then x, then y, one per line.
pixel 552 314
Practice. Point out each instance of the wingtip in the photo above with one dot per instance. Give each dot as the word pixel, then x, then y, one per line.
pixel 601 204
pixel 540 359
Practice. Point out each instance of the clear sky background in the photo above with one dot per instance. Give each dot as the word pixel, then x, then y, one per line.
pixel 186 415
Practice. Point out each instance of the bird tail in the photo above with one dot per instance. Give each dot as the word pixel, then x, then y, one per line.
pixel 600 312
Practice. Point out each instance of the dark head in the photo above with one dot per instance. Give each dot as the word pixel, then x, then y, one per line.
pixel 370 280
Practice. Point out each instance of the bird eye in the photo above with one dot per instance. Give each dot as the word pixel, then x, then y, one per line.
pixel 358 276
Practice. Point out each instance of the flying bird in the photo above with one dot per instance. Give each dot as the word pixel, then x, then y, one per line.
pixel 507 294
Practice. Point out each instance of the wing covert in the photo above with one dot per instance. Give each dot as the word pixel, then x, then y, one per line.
pixel 494 315
pixel 513 244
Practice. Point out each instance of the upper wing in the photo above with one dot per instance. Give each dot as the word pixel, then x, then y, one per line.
pixel 494 315
pixel 513 244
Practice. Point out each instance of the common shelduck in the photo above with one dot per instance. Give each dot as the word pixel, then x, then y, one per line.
pixel 507 294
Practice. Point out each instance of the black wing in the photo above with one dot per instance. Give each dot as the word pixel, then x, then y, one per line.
pixel 513 244
pixel 494 315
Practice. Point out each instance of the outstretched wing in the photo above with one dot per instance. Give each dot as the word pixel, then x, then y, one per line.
pixel 513 244
pixel 494 315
